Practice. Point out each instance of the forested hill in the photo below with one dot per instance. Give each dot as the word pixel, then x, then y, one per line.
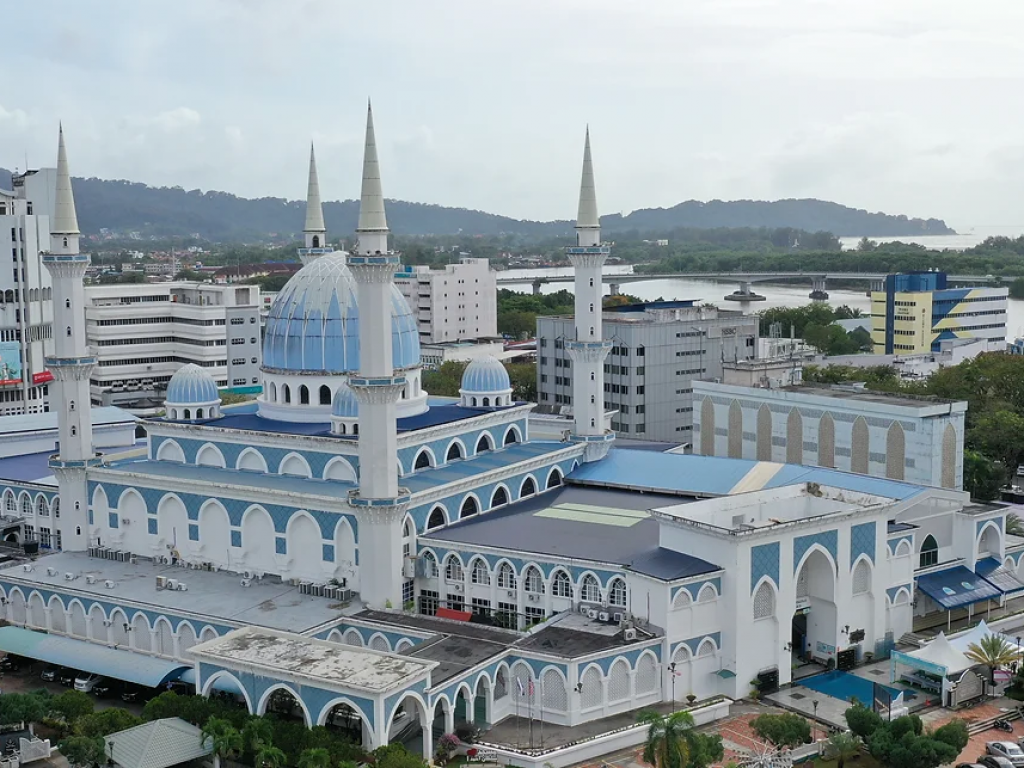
pixel 124 206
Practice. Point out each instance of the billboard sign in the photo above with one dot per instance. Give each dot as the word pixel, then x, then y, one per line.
pixel 10 362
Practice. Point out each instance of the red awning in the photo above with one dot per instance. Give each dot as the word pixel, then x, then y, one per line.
pixel 450 613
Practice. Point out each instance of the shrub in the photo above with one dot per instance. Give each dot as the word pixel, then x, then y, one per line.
pixel 785 730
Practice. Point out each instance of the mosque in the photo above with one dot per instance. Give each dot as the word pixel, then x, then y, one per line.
pixel 373 555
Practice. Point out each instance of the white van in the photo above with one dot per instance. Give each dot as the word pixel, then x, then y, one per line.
pixel 86 682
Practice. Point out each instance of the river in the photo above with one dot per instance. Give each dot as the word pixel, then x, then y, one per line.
pixel 714 293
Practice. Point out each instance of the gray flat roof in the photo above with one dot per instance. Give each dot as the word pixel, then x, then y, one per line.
pixel 867 395
pixel 213 596
pixel 454 655
pixel 39 422
pixel 584 523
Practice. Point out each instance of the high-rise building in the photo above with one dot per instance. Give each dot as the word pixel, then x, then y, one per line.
pixel 916 312
pixel 26 308
pixel 457 303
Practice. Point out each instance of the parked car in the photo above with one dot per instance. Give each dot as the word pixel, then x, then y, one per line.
pixel 105 688
pixel 12 663
pixel 138 693
pixel 67 677
pixel 994 761
pixel 50 674
pixel 969 765
pixel 86 682
pixel 1008 750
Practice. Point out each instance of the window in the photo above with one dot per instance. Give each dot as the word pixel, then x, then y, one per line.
pixel 529 488
pixel 469 507
pixel 861 578
pixel 561 586
pixel 453 569
pixel 533 581
pixel 590 590
pixel 454 452
pixel 929 552
pixel 429 600
pixel 764 601
pixel 430 565
pixel 422 460
pixel 325 395
pixel 506 577
pixel 436 519
pixel 481 573
pixel 617 593
pixel 500 497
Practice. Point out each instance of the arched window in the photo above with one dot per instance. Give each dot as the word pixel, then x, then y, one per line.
pixel 500 497
pixel 764 601
pixel 487 402
pixel 188 413
pixel 484 443
pixel 554 479
pixel 316 241
pixel 431 565
pixel 511 437
pixel 469 507
pixel 453 569
pixel 325 395
pixel 533 581
pixel 303 395
pixel 529 488
pixel 355 429
pixel 422 460
pixel 69 330
pixel 617 593
pixel 929 551
pixel 74 430
pixel 561 585
pixel 506 577
pixel 593 377
pixel 65 242
pixel 273 392
pixel 71 405
pixel 590 590
pixel 436 519
pixel 861 578
pixel 481 574
pixel 287 393
pixel 67 303
pixel 199 413
pixel 454 452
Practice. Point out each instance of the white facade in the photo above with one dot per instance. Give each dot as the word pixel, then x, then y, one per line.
pixel 141 334
pixel 456 303
pixel 26 308
pixel 872 433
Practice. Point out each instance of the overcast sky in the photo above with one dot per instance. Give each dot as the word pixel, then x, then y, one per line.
pixel 904 106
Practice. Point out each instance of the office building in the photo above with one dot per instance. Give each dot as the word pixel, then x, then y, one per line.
pixel 657 351
pixel 457 303
pixel 142 333
pixel 916 312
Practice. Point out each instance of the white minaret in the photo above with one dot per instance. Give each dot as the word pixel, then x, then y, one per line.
pixel 380 503
pixel 70 364
pixel 315 231
pixel 589 349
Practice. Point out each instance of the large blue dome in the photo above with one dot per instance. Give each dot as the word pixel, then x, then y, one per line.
pixel 313 325
pixel 191 385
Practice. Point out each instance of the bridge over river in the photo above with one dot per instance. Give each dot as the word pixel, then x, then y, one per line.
pixel 745 280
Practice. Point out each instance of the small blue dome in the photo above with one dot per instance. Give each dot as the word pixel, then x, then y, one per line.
pixel 191 385
pixel 345 405
pixel 486 374
pixel 314 323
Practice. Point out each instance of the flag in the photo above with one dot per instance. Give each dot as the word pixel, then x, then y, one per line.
pixel 519 682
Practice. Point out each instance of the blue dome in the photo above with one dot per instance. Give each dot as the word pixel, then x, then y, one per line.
pixel 190 385
pixel 345 405
pixel 314 322
pixel 486 374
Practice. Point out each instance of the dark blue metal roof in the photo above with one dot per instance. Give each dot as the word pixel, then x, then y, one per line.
pixel 956 586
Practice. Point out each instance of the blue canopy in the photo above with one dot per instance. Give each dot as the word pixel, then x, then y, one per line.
pixel 955 587
pixel 998 575
pixel 89 657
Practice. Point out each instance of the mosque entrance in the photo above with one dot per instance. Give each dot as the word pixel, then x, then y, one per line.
pixel 815 618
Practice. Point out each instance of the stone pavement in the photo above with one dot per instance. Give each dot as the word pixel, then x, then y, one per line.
pixel 976 746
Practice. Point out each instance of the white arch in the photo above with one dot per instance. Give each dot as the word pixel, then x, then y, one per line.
pixel 403 645
pixel 344 544
pixel 164 637
pixel 682 654
pixel 379 643
pixel 208 685
pixel 463 453
pixel 353 637
pixel 425 712
pixel 172 521
pixel 618 675
pixel 903 549
pixel 367 725
pixel 444 513
pixel 431 458
pixel 707 647
pixel 522 484
pixel 252 460
pixel 214 532
pixel 683 599
pixel 304 542
pixel 896 596
pixel 294 464
pixel 76 614
pixel 19 606
pixel 210 456
pixel 58 621
pixel 140 628
pixel 817 548
pixel 989 526
pixel 118 633
pixel 515 430
pixel 547 694
pixel 585 577
pixel 335 636
pixel 508 495
pixel 98 627
pixel 479 505
pixel 259 536
pixel 261 708
pixel 35 610
pixel 645 658
pixel 100 504
pixel 169 450
pixel 707 593
pixel 340 469
pixel 763 612
pixel 208 633
pixel 186 638
pixel 547 481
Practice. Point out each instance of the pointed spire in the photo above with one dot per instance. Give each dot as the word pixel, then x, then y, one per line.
pixel 314 209
pixel 65 221
pixel 587 217
pixel 371 202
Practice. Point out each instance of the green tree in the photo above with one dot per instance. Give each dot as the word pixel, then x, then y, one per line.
pixel 22 708
pixel 993 651
pixel 954 733
pixel 983 477
pixel 314 757
pixel 666 745
pixel 223 737
pixel 269 756
pixel 104 722
pixel 523 377
pixel 997 434
pixel 72 705
pixel 83 751
pixel 863 721
pixel 256 733
pixel 841 747
pixel 396 756
pixel 704 748
pixel 785 730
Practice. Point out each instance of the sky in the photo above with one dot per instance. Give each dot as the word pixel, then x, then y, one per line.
pixel 902 106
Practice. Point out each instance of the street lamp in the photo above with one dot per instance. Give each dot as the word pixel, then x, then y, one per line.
pixel 814 725
pixel 672 669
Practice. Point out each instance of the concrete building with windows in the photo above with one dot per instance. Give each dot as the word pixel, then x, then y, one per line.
pixel 26 308
pixel 350 551
pixel 900 437
pixel 142 333
pixel 658 350
pixel 916 312
pixel 457 303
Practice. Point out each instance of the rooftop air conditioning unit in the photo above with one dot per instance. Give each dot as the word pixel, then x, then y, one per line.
pixel 629 634
pixel 109 583
pixel 107 622
pixel 591 613
pixel 534 598
pixel 51 571
pixel 161 582
pixel 171 584
pixel 344 595
pixel 246 582
pixel 305 588
pixel 133 560
pixel 512 593
pixel 604 616
pixel 248 575
pixel 69 576
pixel 90 579
pixel 618 618
pixel 584 608
pixel 182 586
pixel 27 568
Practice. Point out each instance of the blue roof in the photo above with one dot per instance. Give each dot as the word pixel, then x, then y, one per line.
pixel 486 374
pixel 956 586
pixel 89 657
pixel 189 385
pixel 313 324
pixel 345 405
pixel 242 477
pixel 426 479
pixel 714 476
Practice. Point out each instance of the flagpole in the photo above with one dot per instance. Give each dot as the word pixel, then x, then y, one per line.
pixel 529 703
pixel 515 695
pixel 541 687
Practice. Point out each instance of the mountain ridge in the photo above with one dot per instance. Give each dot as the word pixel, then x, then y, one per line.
pixel 125 206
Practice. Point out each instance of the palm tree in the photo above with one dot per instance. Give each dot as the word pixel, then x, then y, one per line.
pixel 315 757
pixel 256 733
pixel 269 756
pixel 992 651
pixel 841 747
pixel 225 738
pixel 666 745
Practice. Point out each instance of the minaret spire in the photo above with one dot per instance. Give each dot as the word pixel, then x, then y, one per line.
pixel 590 348
pixel 373 223
pixel 314 231
pixel 65 220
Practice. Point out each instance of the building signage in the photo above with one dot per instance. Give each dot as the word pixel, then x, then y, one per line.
pixel 10 362
pixel 42 378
